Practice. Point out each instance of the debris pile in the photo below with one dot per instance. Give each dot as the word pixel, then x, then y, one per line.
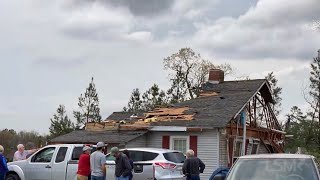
pixel 141 123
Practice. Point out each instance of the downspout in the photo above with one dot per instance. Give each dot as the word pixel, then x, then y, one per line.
pixel 244 132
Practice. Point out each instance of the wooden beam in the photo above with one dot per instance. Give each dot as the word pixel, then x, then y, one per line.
pixel 255 111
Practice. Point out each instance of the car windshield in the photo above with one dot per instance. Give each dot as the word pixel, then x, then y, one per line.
pixel 277 169
pixel 176 157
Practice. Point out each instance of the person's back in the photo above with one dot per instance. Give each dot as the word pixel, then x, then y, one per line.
pixel 84 170
pixel 192 166
pixel 97 163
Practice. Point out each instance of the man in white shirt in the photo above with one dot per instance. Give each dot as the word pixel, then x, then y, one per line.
pixel 22 154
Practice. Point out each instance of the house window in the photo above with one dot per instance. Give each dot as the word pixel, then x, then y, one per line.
pixel 179 143
pixel 238 150
pixel 253 146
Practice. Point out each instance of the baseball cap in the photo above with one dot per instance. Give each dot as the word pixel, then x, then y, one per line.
pixel 85 148
pixel 100 144
pixel 114 150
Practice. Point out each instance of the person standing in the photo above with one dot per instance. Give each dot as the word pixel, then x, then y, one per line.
pixel 3 164
pixel 126 152
pixel 192 166
pixel 123 167
pixel 21 153
pixel 98 163
pixel 84 164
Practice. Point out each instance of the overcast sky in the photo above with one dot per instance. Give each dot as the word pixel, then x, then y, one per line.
pixel 50 49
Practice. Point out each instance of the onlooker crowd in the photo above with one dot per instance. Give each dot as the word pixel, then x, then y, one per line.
pixel 90 166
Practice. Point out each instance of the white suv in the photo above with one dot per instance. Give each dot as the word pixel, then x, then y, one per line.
pixel 152 163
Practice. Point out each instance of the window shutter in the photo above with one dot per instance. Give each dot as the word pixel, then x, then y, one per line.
pixel 166 142
pixel 194 144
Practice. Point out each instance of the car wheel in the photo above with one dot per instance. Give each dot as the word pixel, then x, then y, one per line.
pixel 12 177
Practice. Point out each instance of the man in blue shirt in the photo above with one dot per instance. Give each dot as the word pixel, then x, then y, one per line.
pixel 3 164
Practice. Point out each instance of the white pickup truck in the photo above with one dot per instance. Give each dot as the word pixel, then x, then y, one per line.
pixel 52 162
pixel 60 162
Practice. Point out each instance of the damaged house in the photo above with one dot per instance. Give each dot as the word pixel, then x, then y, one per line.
pixel 227 120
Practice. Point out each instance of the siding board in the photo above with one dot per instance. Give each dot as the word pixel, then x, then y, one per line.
pixel 223 151
pixel 138 142
pixel 208 147
pixel 262 149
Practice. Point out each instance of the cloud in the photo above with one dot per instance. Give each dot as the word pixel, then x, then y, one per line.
pixel 271 29
pixel 98 22
pixel 141 36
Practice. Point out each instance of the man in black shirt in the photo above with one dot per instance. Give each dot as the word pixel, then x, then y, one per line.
pixel 192 166
pixel 123 167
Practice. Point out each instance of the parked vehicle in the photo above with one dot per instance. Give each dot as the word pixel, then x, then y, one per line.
pixel 275 166
pixel 53 162
pixel 152 164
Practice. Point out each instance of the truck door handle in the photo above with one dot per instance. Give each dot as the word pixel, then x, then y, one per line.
pixel 48 166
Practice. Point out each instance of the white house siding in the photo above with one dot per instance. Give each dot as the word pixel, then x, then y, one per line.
pixel 223 152
pixel 138 142
pixel 208 147
pixel 262 149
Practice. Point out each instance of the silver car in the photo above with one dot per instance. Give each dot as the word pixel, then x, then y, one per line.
pixel 152 163
pixel 275 166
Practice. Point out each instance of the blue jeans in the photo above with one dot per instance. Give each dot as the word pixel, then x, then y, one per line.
pixel 2 176
pixel 122 178
pixel 98 177
pixel 193 177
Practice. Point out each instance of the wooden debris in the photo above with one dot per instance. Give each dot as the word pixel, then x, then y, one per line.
pixel 158 115
pixel 208 93
pixel 166 112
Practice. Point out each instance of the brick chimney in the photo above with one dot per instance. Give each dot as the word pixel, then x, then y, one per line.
pixel 216 76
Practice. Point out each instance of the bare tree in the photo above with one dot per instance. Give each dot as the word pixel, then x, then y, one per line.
pixel 187 71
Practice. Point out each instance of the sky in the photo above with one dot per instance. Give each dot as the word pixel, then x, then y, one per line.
pixel 51 49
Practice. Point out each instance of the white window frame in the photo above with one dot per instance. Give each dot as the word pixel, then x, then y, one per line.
pixel 235 148
pixel 187 138
pixel 252 142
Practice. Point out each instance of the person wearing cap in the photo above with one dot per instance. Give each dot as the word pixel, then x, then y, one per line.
pixel 123 167
pixel 98 163
pixel 84 171
pixel 21 153
pixel 3 164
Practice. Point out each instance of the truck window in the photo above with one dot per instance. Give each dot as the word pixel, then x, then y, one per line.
pixel 77 151
pixel 44 156
pixel 61 154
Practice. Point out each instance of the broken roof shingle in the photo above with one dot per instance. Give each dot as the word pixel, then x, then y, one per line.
pixel 118 116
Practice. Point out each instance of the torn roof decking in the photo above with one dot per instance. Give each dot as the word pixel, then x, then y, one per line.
pixel 217 105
